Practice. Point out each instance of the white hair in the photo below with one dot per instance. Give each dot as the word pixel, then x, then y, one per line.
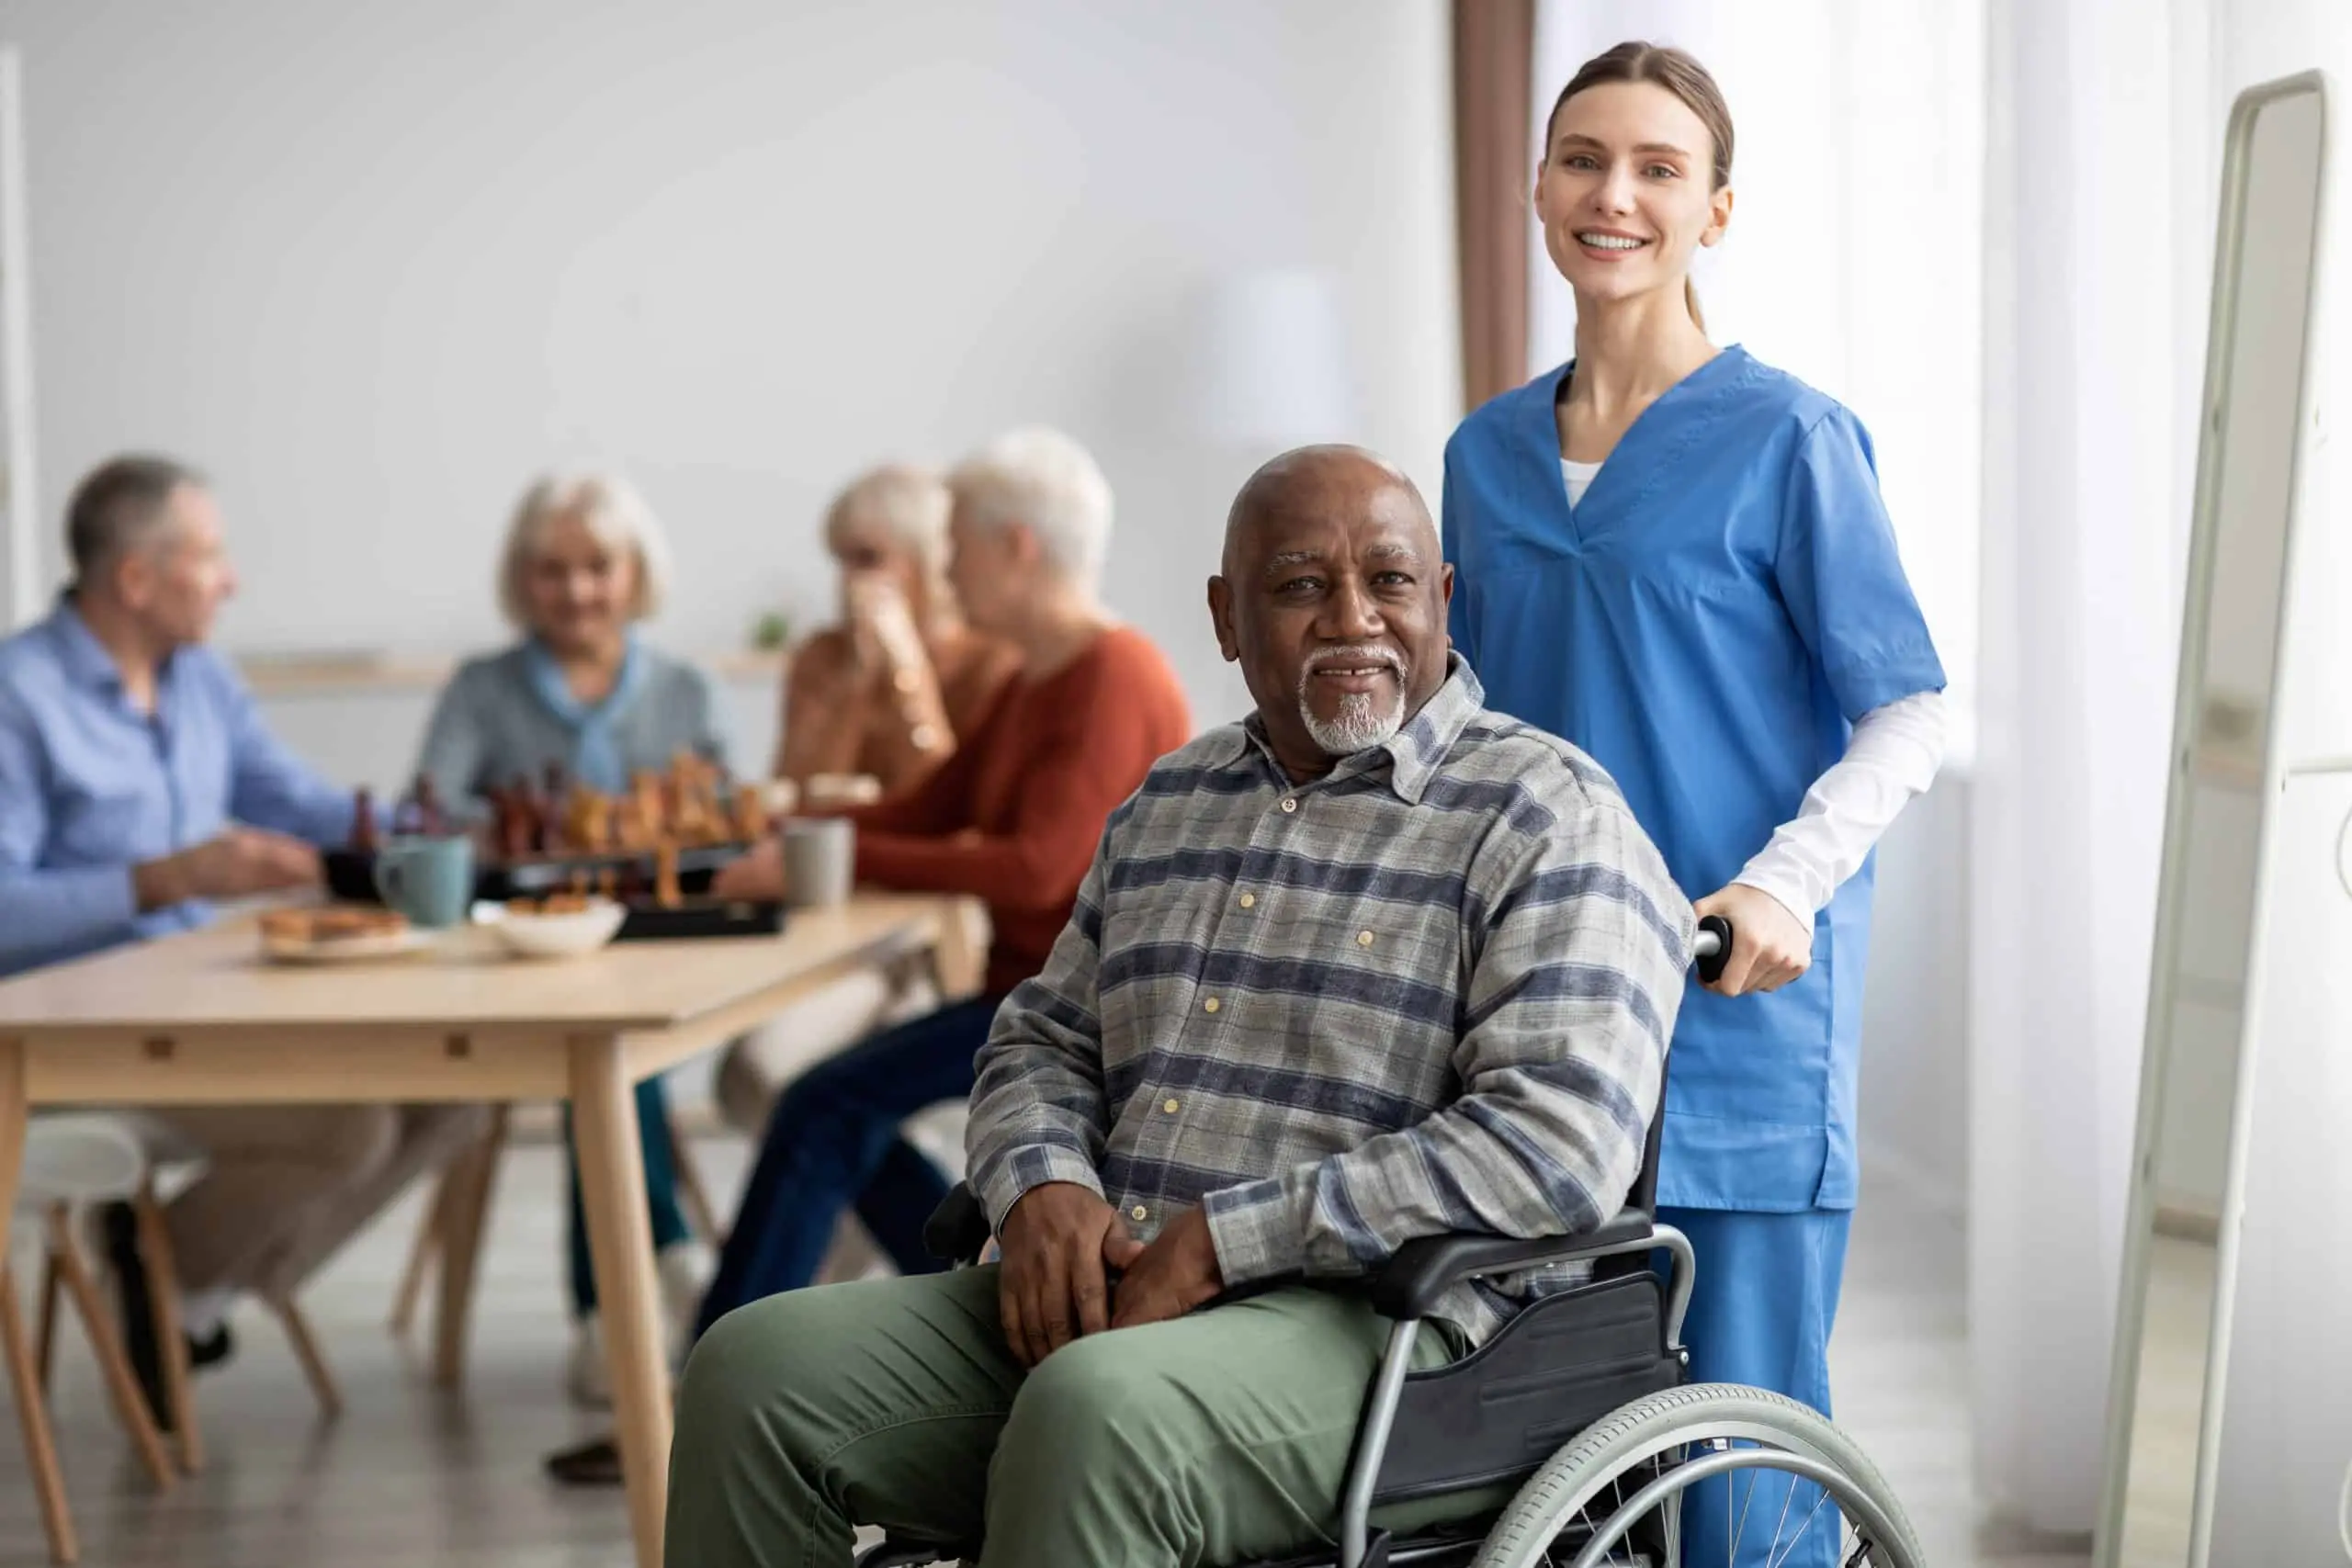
pixel 614 516
pixel 1043 480
pixel 908 505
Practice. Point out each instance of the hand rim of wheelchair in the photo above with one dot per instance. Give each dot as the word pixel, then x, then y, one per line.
pixel 1624 1443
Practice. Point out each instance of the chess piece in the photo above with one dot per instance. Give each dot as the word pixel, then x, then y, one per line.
pixel 665 875
pixel 431 820
pixel 750 814
pixel 363 820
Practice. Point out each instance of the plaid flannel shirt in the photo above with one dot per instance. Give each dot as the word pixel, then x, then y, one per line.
pixel 1430 991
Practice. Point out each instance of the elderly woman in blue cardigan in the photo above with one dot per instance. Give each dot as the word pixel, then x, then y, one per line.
pixel 584 562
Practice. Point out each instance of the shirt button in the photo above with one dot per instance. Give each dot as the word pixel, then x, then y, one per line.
pixel 1291 804
pixel 1168 1106
pixel 1211 1005
pixel 1248 900
pixel 1139 1213
pixel 1364 939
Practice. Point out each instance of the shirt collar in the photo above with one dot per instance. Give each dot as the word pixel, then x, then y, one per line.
pixel 85 660
pixel 1412 755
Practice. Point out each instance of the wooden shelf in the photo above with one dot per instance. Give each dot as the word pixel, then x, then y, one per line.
pixel 328 671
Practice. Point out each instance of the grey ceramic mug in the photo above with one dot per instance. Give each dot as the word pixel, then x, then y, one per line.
pixel 819 860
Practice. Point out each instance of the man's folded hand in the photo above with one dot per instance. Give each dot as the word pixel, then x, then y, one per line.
pixel 1051 1288
pixel 1167 1279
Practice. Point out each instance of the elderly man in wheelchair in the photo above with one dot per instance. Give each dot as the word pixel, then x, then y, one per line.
pixel 1317 1157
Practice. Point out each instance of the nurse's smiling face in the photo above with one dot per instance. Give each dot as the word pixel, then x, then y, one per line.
pixel 1333 601
pixel 1627 192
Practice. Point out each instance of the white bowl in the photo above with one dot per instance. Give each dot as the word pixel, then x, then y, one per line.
pixel 567 935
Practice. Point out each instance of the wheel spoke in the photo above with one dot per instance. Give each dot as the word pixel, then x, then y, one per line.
pixel 1730 1551
pixel 1821 1496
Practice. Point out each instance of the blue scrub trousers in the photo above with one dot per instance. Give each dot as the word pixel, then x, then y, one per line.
pixel 1760 1313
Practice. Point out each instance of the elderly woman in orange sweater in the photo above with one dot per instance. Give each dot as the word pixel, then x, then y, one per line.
pixel 888 695
pixel 1013 818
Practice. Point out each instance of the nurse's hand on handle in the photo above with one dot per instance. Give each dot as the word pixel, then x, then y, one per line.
pixel 1770 945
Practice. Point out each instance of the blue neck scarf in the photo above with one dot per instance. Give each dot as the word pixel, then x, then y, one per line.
pixel 597 758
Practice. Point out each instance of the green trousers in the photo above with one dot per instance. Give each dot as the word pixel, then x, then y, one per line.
pixel 1219 1439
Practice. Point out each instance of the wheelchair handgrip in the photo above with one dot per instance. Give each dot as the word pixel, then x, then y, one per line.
pixel 1711 947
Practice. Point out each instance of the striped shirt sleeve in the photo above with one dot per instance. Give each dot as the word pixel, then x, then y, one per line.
pixel 1039 1113
pixel 1581 940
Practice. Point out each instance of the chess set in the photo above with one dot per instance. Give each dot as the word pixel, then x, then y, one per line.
pixel 653 848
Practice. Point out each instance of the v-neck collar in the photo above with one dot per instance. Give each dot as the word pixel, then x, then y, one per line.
pixel 1620 487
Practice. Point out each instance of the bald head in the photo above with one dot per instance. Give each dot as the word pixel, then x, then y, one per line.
pixel 1320 481
pixel 1332 599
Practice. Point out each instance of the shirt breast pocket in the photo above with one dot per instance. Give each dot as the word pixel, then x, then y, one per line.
pixel 1377 983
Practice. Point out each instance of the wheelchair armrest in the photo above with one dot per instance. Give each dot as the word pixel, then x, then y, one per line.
pixel 958 1228
pixel 1410 1282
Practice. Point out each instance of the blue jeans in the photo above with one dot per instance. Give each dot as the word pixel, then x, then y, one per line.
pixel 833 1142
pixel 661 1188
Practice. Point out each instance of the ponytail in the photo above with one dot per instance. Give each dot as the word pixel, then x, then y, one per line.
pixel 1690 298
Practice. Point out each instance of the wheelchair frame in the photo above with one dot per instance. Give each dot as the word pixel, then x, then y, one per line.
pixel 1407 1288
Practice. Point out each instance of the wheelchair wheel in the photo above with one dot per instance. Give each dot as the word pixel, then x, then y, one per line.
pixel 1614 1495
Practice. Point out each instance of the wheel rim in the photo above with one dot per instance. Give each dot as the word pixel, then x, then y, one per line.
pixel 1861 1530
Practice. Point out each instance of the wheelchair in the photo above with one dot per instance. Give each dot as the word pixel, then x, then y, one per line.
pixel 1581 1398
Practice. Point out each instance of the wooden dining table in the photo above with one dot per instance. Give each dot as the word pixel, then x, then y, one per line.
pixel 202 1018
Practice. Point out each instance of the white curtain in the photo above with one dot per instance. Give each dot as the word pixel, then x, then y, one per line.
pixel 2089 444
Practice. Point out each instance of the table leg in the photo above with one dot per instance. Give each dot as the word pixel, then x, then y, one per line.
pixel 620 1251
pixel 959 952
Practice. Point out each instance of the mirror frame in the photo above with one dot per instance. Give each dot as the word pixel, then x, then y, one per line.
pixel 2140 1210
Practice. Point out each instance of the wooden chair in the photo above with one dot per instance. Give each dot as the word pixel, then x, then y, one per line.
pixel 154 1242
pixel 449 1240
pixel 67 1161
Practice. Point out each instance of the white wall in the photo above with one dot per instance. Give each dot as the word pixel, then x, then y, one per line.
pixel 372 265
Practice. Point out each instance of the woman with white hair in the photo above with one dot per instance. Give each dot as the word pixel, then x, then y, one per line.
pixel 887 695
pixel 888 691
pixel 584 562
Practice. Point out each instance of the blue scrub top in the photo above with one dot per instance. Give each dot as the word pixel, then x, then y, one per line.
pixel 1707 623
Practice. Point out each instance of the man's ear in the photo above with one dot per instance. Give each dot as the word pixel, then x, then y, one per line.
pixel 1445 586
pixel 1221 619
pixel 133 577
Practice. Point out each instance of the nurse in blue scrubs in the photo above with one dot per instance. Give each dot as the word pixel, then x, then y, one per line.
pixel 1677 557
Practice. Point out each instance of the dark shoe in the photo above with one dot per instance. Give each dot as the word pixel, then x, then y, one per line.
pixel 213 1349
pixel 135 1299
pixel 594 1463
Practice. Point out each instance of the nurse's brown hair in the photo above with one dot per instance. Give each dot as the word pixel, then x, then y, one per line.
pixel 1680 73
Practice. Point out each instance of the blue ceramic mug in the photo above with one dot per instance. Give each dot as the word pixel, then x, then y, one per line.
pixel 429 880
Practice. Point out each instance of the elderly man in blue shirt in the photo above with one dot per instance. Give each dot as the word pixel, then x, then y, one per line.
pixel 138 786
